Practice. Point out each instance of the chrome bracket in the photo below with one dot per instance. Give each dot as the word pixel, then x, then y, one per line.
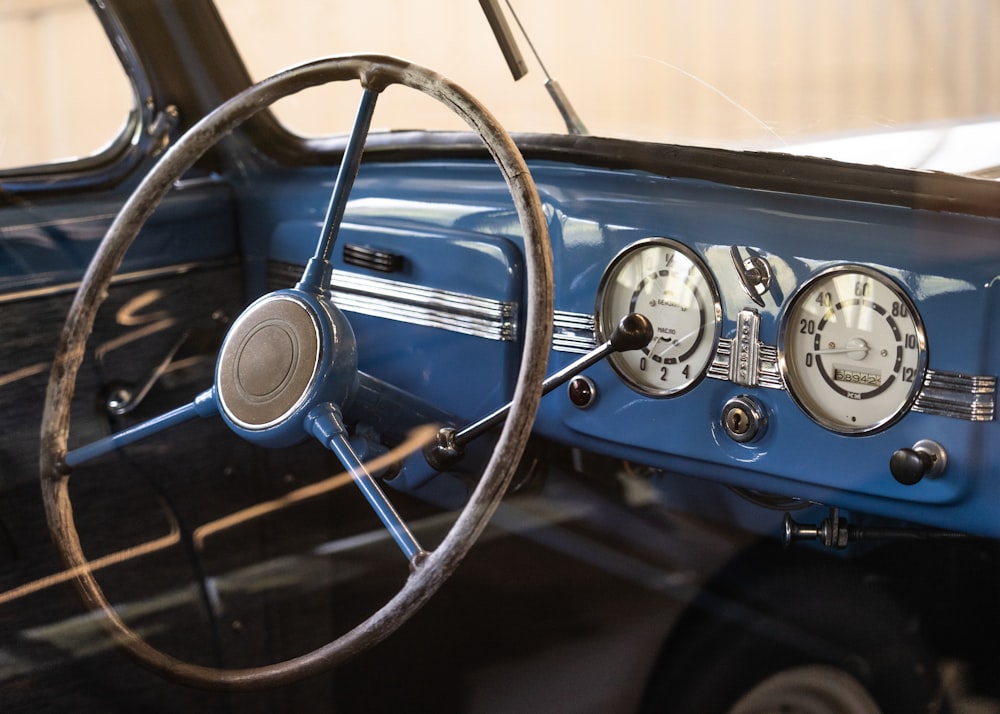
pixel 745 360
pixel 754 273
pixel 161 128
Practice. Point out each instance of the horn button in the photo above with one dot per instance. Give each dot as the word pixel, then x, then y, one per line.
pixel 269 362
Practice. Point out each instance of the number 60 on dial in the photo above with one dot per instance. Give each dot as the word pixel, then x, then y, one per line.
pixel 852 349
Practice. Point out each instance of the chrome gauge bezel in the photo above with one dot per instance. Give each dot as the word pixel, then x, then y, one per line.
pixel 822 409
pixel 605 323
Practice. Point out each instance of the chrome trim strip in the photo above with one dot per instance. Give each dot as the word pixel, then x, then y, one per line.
pixel 573 332
pixel 430 307
pixel 768 372
pixel 719 369
pixel 960 396
pixel 123 278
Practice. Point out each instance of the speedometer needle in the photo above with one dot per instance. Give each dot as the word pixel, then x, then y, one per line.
pixel 855 346
pixel 841 350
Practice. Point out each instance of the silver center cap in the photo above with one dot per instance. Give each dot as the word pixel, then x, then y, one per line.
pixel 268 363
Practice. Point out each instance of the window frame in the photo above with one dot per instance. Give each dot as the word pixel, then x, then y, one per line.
pixel 115 161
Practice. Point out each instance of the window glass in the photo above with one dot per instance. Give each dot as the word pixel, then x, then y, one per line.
pixel 63 92
pixel 826 77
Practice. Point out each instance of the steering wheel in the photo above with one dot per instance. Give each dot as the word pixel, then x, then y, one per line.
pixel 288 366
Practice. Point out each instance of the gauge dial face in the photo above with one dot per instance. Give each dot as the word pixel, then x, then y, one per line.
pixel 665 281
pixel 852 350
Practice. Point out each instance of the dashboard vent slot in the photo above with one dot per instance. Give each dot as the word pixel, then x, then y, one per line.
pixel 372 259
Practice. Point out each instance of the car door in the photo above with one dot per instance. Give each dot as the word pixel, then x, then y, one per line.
pixel 154 343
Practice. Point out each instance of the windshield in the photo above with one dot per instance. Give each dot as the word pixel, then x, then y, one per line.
pixel 895 82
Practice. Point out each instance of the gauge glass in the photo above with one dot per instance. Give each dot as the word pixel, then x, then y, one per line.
pixel 665 281
pixel 852 349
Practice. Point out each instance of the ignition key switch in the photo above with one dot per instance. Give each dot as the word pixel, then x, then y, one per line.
pixel 744 419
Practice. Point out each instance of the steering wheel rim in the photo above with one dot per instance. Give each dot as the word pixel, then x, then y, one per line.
pixel 375 72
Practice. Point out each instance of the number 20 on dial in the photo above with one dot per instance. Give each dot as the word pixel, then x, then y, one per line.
pixel 852 349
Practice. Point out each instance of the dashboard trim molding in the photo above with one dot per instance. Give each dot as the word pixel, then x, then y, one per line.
pixel 573 332
pixel 956 395
pixel 948 394
pixel 415 304
pixel 430 307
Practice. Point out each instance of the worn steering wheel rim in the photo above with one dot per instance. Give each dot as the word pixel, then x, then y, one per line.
pixel 375 72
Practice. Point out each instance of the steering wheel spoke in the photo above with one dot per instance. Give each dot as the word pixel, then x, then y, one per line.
pixel 319 269
pixel 204 405
pixel 325 423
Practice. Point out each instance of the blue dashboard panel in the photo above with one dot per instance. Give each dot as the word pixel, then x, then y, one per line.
pixel 454 223
pixel 799 236
pixel 444 320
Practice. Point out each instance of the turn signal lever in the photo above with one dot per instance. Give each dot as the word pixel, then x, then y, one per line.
pixel 633 332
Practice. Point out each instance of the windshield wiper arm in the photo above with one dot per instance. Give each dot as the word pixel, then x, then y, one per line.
pixel 505 38
pixel 518 68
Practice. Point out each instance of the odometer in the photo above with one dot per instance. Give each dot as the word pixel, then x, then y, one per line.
pixel 852 349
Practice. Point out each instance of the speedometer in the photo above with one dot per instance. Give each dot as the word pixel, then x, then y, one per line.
pixel 665 281
pixel 852 349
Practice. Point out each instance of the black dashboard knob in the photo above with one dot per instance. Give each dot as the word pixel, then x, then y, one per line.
pixel 634 331
pixel 909 466
pixel 926 459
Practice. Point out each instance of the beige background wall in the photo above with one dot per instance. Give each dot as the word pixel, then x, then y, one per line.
pixel 62 91
pixel 761 72
pixel 708 70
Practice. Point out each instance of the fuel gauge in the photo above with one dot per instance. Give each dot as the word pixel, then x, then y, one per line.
pixel 665 281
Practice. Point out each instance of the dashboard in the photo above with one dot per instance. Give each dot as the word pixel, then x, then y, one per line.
pixel 817 347
pixel 851 363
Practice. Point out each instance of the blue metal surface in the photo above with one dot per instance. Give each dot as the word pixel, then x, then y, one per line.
pixel 469 246
pixel 947 263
